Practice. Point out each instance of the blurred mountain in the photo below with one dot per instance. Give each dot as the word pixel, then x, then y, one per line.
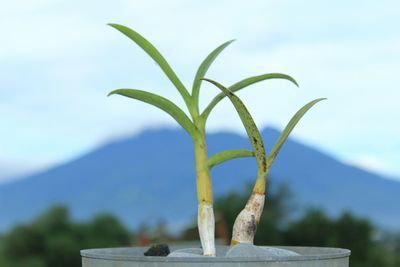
pixel 150 176
pixel 7 172
pixel 12 170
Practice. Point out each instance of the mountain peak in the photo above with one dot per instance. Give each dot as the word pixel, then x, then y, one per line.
pixel 149 167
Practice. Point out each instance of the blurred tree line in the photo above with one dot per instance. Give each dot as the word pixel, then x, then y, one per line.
pixel 312 228
pixel 54 240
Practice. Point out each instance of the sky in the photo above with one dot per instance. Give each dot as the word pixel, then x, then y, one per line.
pixel 59 59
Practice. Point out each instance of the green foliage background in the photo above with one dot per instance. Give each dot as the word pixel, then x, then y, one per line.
pixel 370 247
pixel 315 228
pixel 54 240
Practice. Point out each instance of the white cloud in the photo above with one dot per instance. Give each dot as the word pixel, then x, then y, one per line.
pixel 374 164
pixel 58 60
pixel 13 170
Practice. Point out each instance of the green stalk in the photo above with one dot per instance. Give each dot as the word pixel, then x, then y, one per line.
pixel 246 222
pixel 205 217
pixel 194 126
pixel 202 170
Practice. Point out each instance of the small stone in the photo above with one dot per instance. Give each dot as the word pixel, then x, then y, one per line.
pixel 157 250
pixel 245 251
pixel 279 252
pixel 197 252
pixel 187 253
pixel 252 251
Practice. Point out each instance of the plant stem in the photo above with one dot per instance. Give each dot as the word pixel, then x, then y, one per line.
pixel 205 218
pixel 259 186
pixel 245 226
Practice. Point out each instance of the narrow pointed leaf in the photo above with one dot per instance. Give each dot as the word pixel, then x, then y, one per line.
pixel 156 56
pixel 228 155
pixel 202 70
pixel 252 131
pixel 288 129
pixel 244 83
pixel 160 102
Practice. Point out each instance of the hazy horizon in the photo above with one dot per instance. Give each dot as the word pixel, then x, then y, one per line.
pixel 59 60
pixel 121 137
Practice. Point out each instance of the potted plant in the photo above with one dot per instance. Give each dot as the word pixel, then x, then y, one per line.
pixel 246 223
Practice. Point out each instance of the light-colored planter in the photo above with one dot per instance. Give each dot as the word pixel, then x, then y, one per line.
pixel 133 257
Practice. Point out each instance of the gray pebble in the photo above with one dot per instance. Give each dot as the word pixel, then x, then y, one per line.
pixel 279 252
pixel 252 251
pixel 187 252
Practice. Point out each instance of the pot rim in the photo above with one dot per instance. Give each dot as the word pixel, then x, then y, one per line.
pixel 136 254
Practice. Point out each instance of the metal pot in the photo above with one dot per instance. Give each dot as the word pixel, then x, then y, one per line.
pixel 133 257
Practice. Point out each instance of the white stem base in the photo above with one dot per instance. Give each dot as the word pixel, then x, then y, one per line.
pixel 206 225
pixel 246 222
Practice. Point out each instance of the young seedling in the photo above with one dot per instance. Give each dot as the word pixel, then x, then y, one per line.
pixel 195 125
pixel 246 222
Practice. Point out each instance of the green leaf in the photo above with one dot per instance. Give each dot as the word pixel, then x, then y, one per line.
pixel 156 56
pixel 160 102
pixel 244 83
pixel 252 131
pixel 202 70
pixel 288 129
pixel 228 155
